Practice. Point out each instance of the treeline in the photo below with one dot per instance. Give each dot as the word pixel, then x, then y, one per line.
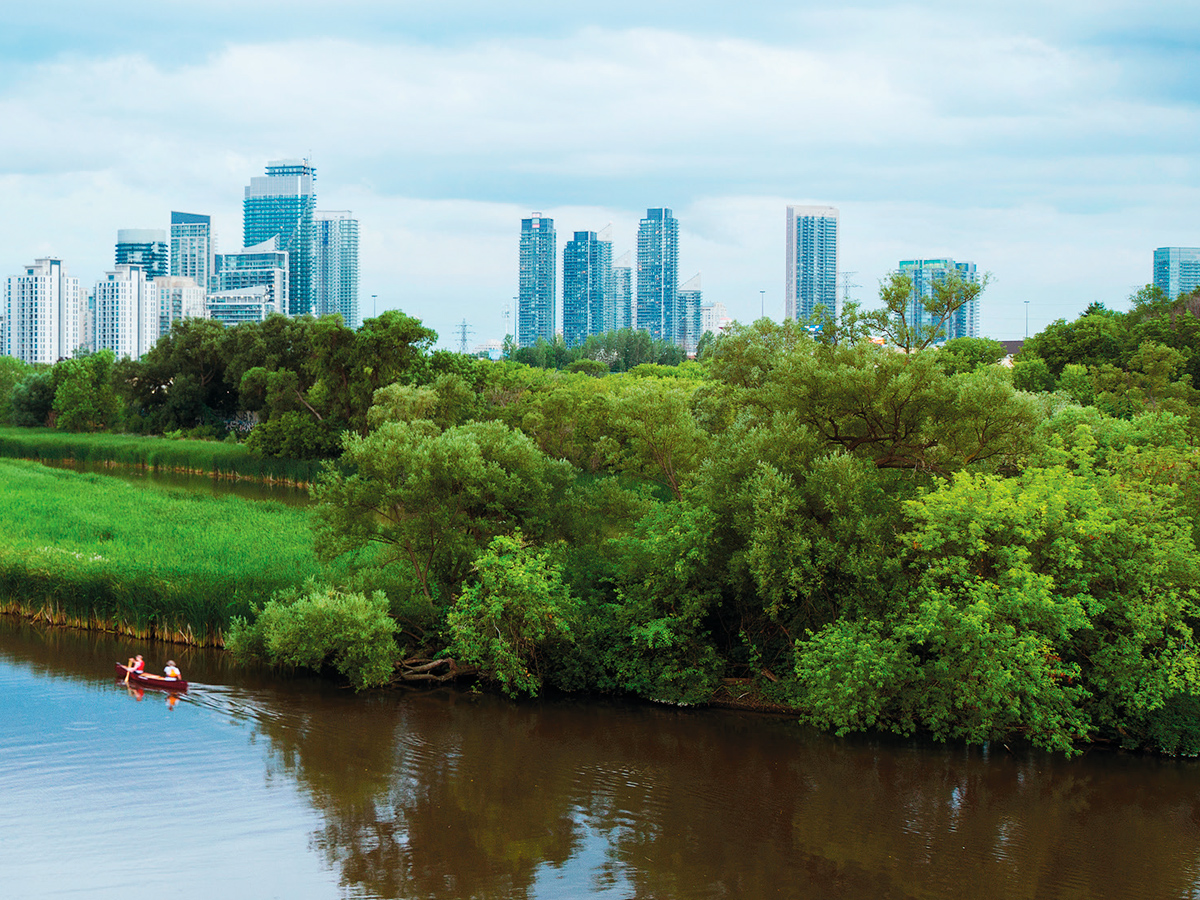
pixel 895 537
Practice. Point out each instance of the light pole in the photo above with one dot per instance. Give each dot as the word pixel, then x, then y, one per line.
pixel 373 312
pixel 1026 320
pixel 762 303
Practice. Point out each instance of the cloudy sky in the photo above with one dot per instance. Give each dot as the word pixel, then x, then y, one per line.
pixel 1055 145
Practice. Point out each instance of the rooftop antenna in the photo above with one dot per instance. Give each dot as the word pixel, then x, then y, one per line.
pixel 463 330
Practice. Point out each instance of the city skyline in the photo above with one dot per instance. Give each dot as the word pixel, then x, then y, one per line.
pixel 1054 148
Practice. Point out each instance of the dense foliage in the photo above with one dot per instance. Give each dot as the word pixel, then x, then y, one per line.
pixel 896 536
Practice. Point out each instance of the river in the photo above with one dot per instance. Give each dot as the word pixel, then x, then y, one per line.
pixel 256 786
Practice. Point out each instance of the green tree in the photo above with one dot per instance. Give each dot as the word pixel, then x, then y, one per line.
pixel 85 398
pixel 947 296
pixel 321 626
pixel 430 500
pixel 514 609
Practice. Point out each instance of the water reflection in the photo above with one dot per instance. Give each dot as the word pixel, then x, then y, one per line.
pixel 451 795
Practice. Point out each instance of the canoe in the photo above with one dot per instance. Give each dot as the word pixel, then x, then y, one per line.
pixel 143 679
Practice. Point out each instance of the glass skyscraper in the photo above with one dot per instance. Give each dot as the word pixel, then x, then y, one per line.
pixel 192 247
pixel 262 265
pixel 691 319
pixel 587 279
pixel 812 261
pixel 536 300
pixel 658 276
pixel 963 322
pixel 1177 270
pixel 145 248
pixel 619 312
pixel 282 205
pixel 336 276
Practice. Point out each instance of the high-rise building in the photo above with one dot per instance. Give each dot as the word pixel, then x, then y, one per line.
pixel 282 204
pixel 248 304
pixel 192 247
pixel 587 278
pixel 619 313
pixel 691 320
pixel 925 273
pixel 714 317
pixel 336 278
pixel 658 276
pixel 812 261
pixel 145 248
pixel 43 313
pixel 263 265
pixel 127 312
pixel 1177 270
pixel 536 301
pixel 178 298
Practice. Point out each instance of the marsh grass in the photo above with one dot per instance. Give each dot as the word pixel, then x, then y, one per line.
pixel 91 551
pixel 195 457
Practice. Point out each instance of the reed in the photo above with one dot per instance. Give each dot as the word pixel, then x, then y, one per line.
pixel 194 457
pixel 86 550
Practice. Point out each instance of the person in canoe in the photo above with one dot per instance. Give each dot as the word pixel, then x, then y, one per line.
pixel 171 671
pixel 136 664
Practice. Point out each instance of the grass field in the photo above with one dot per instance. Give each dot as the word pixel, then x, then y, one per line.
pixel 92 551
pixel 209 457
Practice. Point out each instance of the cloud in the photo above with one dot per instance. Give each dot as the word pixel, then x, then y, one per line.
pixel 1034 144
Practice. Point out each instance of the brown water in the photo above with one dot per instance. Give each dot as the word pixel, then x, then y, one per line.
pixel 254 786
pixel 206 484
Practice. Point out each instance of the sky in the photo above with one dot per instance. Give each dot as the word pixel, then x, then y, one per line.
pixel 1053 145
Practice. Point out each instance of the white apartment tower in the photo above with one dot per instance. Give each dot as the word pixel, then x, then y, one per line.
pixel 43 313
pixel 192 247
pixel 812 261
pixel 127 312
pixel 178 298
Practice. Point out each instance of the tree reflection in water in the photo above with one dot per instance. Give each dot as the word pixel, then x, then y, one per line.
pixel 445 795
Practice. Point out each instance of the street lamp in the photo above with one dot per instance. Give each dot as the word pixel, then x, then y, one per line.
pixel 373 312
pixel 1026 320
pixel 762 303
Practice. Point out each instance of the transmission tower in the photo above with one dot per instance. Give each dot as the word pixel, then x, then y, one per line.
pixel 846 285
pixel 463 330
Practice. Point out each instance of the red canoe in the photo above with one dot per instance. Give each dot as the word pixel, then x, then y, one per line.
pixel 152 681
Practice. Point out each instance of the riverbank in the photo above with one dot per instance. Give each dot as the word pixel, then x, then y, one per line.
pixel 97 553
pixel 210 458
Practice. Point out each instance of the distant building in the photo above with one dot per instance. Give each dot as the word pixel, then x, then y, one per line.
pixel 536 300
pixel 192 247
pixel 587 278
pixel 714 317
pixel 43 313
pixel 282 204
pixel 336 260
pixel 248 304
pixel 812 261
pixel 127 312
pixel 178 298
pixel 263 265
pixel 1177 270
pixel 143 247
pixel 658 276
pixel 964 322
pixel 691 319
pixel 619 312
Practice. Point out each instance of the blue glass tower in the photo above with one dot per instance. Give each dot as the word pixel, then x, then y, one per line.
pixel 925 273
pixel 536 300
pixel 812 261
pixel 1177 270
pixel 587 276
pixel 658 275
pixel 281 205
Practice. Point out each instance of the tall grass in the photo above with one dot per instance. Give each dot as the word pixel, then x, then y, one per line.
pixel 91 551
pixel 207 457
